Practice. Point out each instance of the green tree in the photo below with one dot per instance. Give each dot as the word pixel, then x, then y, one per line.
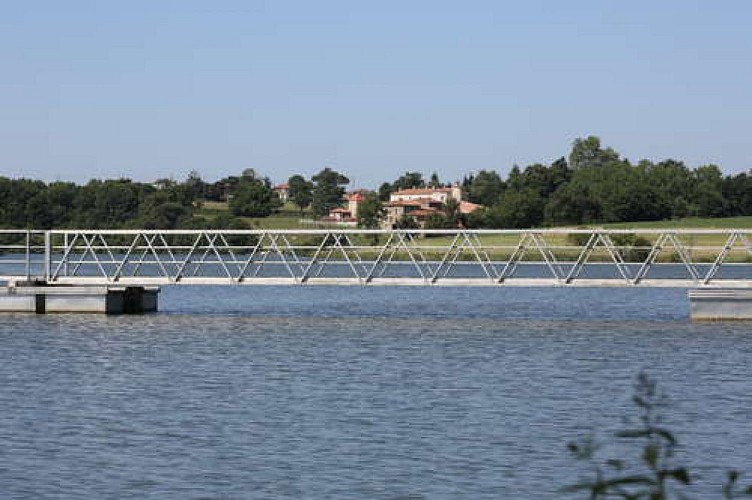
pixel 409 180
pixel 572 204
pixel 517 209
pixel 588 152
pixel 737 191
pixel 449 217
pixel 52 207
pixel 115 202
pixel 438 220
pixel 485 187
pixel 370 211
pixel 328 190
pixel 385 191
pixel 226 221
pixel 300 191
pixel 254 197
pixel 406 222
pixel 158 211
pixel 546 179
pixel 560 173
pixel 514 179
pixel 603 189
pixel 434 181
pixel 16 195
pixel 673 186
pixel 478 219
pixel 709 191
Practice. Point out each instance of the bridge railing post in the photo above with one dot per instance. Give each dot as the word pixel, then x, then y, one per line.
pixel 28 254
pixel 47 256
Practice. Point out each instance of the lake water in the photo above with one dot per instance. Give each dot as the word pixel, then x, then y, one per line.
pixel 326 392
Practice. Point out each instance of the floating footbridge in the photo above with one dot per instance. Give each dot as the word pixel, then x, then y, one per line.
pixel 716 264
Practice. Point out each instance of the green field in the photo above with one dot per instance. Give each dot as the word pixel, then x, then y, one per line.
pixel 288 217
pixel 689 223
pixel 501 246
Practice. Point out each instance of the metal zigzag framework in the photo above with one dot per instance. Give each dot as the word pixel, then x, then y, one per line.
pixel 545 257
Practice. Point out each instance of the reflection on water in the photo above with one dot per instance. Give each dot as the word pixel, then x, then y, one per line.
pixel 356 392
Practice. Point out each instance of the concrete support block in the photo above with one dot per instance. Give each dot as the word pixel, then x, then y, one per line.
pixel 720 304
pixel 79 299
pixel 96 300
pixel 11 302
pixel 149 299
pixel 138 300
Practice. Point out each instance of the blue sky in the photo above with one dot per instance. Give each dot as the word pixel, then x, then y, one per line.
pixel 149 89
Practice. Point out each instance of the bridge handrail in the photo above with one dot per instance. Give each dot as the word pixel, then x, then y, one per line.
pixel 187 255
pixel 393 231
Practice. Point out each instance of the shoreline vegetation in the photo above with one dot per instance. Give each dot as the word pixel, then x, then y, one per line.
pixel 591 187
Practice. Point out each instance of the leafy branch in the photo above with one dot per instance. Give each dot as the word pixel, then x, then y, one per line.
pixel 655 475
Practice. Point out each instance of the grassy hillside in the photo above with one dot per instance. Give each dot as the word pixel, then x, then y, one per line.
pixel 701 247
pixel 704 247
pixel 688 223
pixel 288 217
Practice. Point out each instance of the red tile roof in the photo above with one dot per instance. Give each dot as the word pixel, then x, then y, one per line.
pixel 404 203
pixel 467 207
pixel 423 191
pixel 423 212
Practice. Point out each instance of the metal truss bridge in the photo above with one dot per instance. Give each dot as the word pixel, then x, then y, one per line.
pixel 533 257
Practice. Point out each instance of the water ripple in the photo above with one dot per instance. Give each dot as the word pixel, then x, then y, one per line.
pixel 372 394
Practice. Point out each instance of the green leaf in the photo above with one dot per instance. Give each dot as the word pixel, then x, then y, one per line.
pixel 629 480
pixel 641 402
pixel 616 464
pixel 650 455
pixel 633 433
pixel 681 474
pixel 665 434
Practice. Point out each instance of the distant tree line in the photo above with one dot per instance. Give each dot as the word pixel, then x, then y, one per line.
pixel 594 184
pixel 108 204
pixel 162 204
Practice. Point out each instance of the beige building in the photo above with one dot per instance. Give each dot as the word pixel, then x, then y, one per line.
pixel 441 195
pixel 420 203
pixel 283 191
pixel 347 215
